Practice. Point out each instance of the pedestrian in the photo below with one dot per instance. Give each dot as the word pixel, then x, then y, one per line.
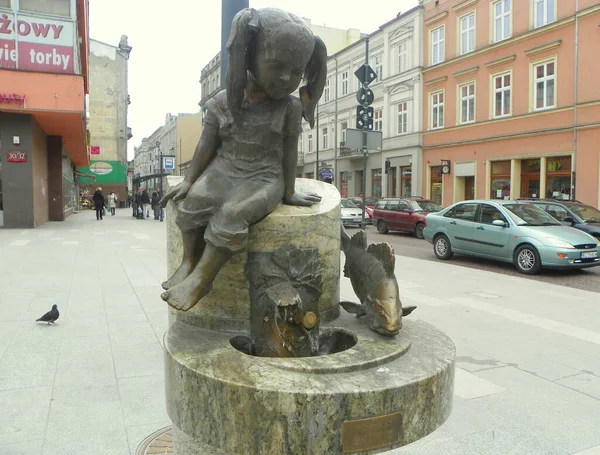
pixel 112 203
pixel 145 203
pixel 99 203
pixel 139 214
pixel 155 207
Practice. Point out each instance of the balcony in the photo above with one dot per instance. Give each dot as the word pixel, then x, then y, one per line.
pixel 346 152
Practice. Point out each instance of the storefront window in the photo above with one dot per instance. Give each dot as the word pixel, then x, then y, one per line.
pixel 310 175
pixel 500 180
pixel 69 194
pixel 55 7
pixel 436 184
pixel 530 177
pixel 405 181
pixel 345 178
pixel 376 183
pixel 558 177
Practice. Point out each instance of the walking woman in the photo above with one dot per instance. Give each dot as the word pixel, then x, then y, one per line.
pixel 98 203
pixel 112 202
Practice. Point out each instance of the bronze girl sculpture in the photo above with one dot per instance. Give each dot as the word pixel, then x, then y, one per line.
pixel 245 161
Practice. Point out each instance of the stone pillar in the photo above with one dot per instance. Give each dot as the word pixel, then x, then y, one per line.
pixel 55 183
pixel 227 306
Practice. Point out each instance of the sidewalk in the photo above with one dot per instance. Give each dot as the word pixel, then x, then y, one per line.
pixel 528 361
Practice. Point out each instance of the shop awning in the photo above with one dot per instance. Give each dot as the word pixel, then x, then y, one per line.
pixel 83 174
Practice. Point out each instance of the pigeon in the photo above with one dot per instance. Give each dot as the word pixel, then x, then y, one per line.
pixel 50 316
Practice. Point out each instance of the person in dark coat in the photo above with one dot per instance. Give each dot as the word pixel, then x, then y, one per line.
pixel 156 196
pixel 145 203
pixel 98 199
pixel 137 203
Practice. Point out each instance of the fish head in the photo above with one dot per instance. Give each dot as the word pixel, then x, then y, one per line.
pixel 385 309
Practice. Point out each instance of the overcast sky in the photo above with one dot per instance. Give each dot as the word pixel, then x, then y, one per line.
pixel 172 44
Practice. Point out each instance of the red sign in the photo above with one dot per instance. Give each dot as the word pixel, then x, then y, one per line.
pixel 36 43
pixel 12 98
pixel 94 149
pixel 17 157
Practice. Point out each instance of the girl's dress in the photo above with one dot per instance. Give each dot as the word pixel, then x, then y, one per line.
pixel 244 182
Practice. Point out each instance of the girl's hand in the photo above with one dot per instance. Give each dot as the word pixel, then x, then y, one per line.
pixel 177 193
pixel 301 199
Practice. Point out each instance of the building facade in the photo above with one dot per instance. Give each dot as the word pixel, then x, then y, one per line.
pixel 176 139
pixel 108 106
pixel 511 98
pixel 395 54
pixel 44 58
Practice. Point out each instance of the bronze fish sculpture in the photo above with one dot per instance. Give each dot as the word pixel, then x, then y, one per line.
pixel 371 272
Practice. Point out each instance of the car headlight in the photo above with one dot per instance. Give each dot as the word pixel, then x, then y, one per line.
pixel 559 243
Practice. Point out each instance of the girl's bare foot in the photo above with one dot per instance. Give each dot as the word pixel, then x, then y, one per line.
pixel 180 274
pixel 186 295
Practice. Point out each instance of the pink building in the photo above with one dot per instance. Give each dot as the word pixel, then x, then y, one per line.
pixel 511 99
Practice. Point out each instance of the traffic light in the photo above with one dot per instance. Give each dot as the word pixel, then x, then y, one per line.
pixel 388 166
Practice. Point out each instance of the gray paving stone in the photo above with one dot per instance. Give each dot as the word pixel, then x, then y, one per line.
pixel 138 360
pixel 32 447
pixel 24 414
pixel 143 400
pixel 583 382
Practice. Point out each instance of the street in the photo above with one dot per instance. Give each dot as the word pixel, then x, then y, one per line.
pixel 408 245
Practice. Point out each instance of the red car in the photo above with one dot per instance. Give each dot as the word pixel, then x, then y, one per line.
pixel 403 214
pixel 369 206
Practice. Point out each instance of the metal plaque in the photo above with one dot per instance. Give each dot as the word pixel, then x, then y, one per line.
pixel 374 433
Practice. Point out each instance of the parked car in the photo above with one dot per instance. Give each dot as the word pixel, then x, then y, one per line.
pixel 403 214
pixel 510 231
pixel 351 214
pixel 369 206
pixel 571 213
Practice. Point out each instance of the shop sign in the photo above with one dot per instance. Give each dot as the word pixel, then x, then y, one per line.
pixel 16 157
pixel 12 98
pixel 94 150
pixel 33 43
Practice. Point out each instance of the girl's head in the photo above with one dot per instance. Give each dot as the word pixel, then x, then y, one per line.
pixel 277 49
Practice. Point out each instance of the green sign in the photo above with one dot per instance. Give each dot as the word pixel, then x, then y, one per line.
pixel 113 172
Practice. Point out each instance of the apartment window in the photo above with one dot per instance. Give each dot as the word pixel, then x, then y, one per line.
pixel 402 57
pixel 358 82
pixel 502 89
pixel 4 3
pixel 501 11
pixel 545 12
pixel 545 85
pixel 378 120
pixel 437 110
pixel 343 128
pixel 310 143
pixel 55 7
pixel 379 67
pixel 325 138
pixel 437 45
pixel 300 144
pixel 467 33
pixel 402 118
pixel 467 103
pixel 344 83
pixel 326 91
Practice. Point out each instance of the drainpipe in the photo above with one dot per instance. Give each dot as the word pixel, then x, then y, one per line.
pixel 576 100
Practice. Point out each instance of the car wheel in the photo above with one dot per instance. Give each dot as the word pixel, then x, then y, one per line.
pixel 527 260
pixel 419 230
pixel 442 248
pixel 382 227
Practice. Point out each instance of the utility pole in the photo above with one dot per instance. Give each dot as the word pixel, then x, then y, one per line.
pixel 364 117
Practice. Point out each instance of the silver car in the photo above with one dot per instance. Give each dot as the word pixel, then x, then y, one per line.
pixel 510 231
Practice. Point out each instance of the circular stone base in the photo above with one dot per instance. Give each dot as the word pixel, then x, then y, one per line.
pixel 380 394
pixel 158 443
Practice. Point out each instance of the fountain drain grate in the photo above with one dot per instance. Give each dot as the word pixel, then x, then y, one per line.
pixel 158 443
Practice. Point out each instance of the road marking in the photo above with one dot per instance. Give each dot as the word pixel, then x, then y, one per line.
pixel 529 319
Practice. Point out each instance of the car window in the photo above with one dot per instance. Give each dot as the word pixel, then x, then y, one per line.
pixel 530 215
pixel 558 212
pixel 347 204
pixel 393 205
pixel 489 213
pixel 586 213
pixel 380 205
pixel 425 206
pixel 403 206
pixel 465 212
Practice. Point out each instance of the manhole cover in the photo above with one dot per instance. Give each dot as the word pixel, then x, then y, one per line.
pixel 158 443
